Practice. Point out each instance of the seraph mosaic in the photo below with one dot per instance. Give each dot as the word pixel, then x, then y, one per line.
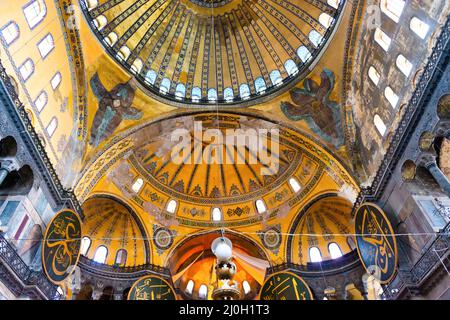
pixel 312 103
pixel 113 107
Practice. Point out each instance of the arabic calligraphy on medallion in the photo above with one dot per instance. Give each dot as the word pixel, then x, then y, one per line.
pixel 285 286
pixel 61 246
pixel 375 241
pixel 151 288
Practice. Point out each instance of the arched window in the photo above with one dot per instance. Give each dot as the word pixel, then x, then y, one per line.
pixel 171 206
pixel 137 66
pixel 303 53
pixel 391 96
pixel 335 251
pixel 294 184
pixel 325 19
pixel 56 80
pixel 246 287
pixel 315 38
pixel 260 85
pixel 374 75
pixel 10 32
pixel 150 77
pixel 164 86
pixel 260 206
pixel 180 91
pixel 51 128
pixel 275 77
pixel 203 292
pixel 190 287
pixel 419 27
pixel 91 4
pixel 291 67
pixel 137 185
pixel 216 214
pixel 35 12
pixel 382 39
pixel 123 53
pixel 315 255
pixel 392 8
pixel 111 39
pixel 26 69
pixel 244 91
pixel 212 94
pixel 46 45
pixel 85 245
pixel 379 124
pixel 41 101
pixel 100 22
pixel 228 94
pixel 121 257
pixel 100 254
pixel 404 65
pixel 196 94
pixel 334 3
pixel 351 243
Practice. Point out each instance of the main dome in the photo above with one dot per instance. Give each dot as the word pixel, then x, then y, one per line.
pixel 209 52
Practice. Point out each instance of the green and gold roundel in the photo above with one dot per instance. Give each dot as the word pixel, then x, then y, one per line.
pixel 285 286
pixel 151 288
pixel 61 246
pixel 375 241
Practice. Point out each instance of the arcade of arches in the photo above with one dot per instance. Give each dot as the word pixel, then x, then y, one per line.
pixel 167 124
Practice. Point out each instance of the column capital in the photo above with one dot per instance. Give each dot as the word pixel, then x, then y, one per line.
pixel 9 164
pixel 427 160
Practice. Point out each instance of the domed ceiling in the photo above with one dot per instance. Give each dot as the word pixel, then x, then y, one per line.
pixel 198 188
pixel 214 52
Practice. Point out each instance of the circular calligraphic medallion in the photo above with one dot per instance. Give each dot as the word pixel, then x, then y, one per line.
pixel 61 246
pixel 151 288
pixel 375 241
pixel 285 286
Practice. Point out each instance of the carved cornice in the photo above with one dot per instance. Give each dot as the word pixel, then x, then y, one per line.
pixel 16 110
pixel 115 273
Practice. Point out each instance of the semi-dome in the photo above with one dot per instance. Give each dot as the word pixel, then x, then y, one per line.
pixel 113 233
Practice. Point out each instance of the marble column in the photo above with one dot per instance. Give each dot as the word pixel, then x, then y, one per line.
pixel 438 175
pixel 3 174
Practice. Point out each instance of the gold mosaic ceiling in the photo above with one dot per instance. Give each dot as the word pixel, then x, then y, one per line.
pixel 201 52
pixel 198 188
pixel 114 225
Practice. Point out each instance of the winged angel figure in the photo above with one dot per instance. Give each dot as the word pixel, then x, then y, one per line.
pixel 312 103
pixel 113 107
